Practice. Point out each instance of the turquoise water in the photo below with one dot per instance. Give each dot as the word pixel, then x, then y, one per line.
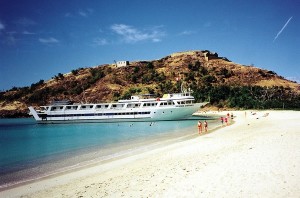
pixel 29 151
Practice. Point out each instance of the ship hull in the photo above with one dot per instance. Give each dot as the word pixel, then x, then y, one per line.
pixel 177 112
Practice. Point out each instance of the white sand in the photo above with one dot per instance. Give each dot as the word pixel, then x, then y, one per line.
pixel 255 157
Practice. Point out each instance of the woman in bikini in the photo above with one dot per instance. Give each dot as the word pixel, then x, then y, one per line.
pixel 205 126
pixel 199 127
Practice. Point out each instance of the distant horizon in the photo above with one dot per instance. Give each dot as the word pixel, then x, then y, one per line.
pixel 39 39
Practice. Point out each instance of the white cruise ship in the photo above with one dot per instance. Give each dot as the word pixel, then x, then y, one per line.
pixel 139 108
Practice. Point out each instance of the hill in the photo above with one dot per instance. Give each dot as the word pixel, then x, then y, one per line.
pixel 224 83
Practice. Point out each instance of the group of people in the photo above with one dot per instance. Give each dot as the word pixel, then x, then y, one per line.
pixel 227 119
pixel 224 120
pixel 200 127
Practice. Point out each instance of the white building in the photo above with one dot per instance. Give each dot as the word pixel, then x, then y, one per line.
pixel 122 63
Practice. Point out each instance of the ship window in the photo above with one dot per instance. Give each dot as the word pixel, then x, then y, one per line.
pixel 83 107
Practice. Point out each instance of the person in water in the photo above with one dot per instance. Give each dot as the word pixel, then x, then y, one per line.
pixel 199 127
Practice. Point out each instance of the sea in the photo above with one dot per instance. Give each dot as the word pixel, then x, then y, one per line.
pixel 31 151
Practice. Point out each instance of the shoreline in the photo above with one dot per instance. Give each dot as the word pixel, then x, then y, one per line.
pixel 94 156
pixel 256 156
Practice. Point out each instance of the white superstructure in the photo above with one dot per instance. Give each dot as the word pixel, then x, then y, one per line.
pixel 139 108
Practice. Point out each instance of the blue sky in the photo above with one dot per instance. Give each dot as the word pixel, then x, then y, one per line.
pixel 41 38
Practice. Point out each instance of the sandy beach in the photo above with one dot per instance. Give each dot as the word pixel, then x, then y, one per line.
pixel 257 156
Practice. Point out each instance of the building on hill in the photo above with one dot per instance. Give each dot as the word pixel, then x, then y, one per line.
pixel 206 54
pixel 210 55
pixel 122 63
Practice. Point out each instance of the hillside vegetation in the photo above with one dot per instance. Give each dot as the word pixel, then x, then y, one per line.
pixel 216 79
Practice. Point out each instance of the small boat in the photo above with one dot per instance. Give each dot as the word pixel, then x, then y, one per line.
pixel 174 106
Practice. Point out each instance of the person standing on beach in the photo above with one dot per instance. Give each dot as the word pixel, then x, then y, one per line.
pixel 205 126
pixel 222 120
pixel 199 127
pixel 228 118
